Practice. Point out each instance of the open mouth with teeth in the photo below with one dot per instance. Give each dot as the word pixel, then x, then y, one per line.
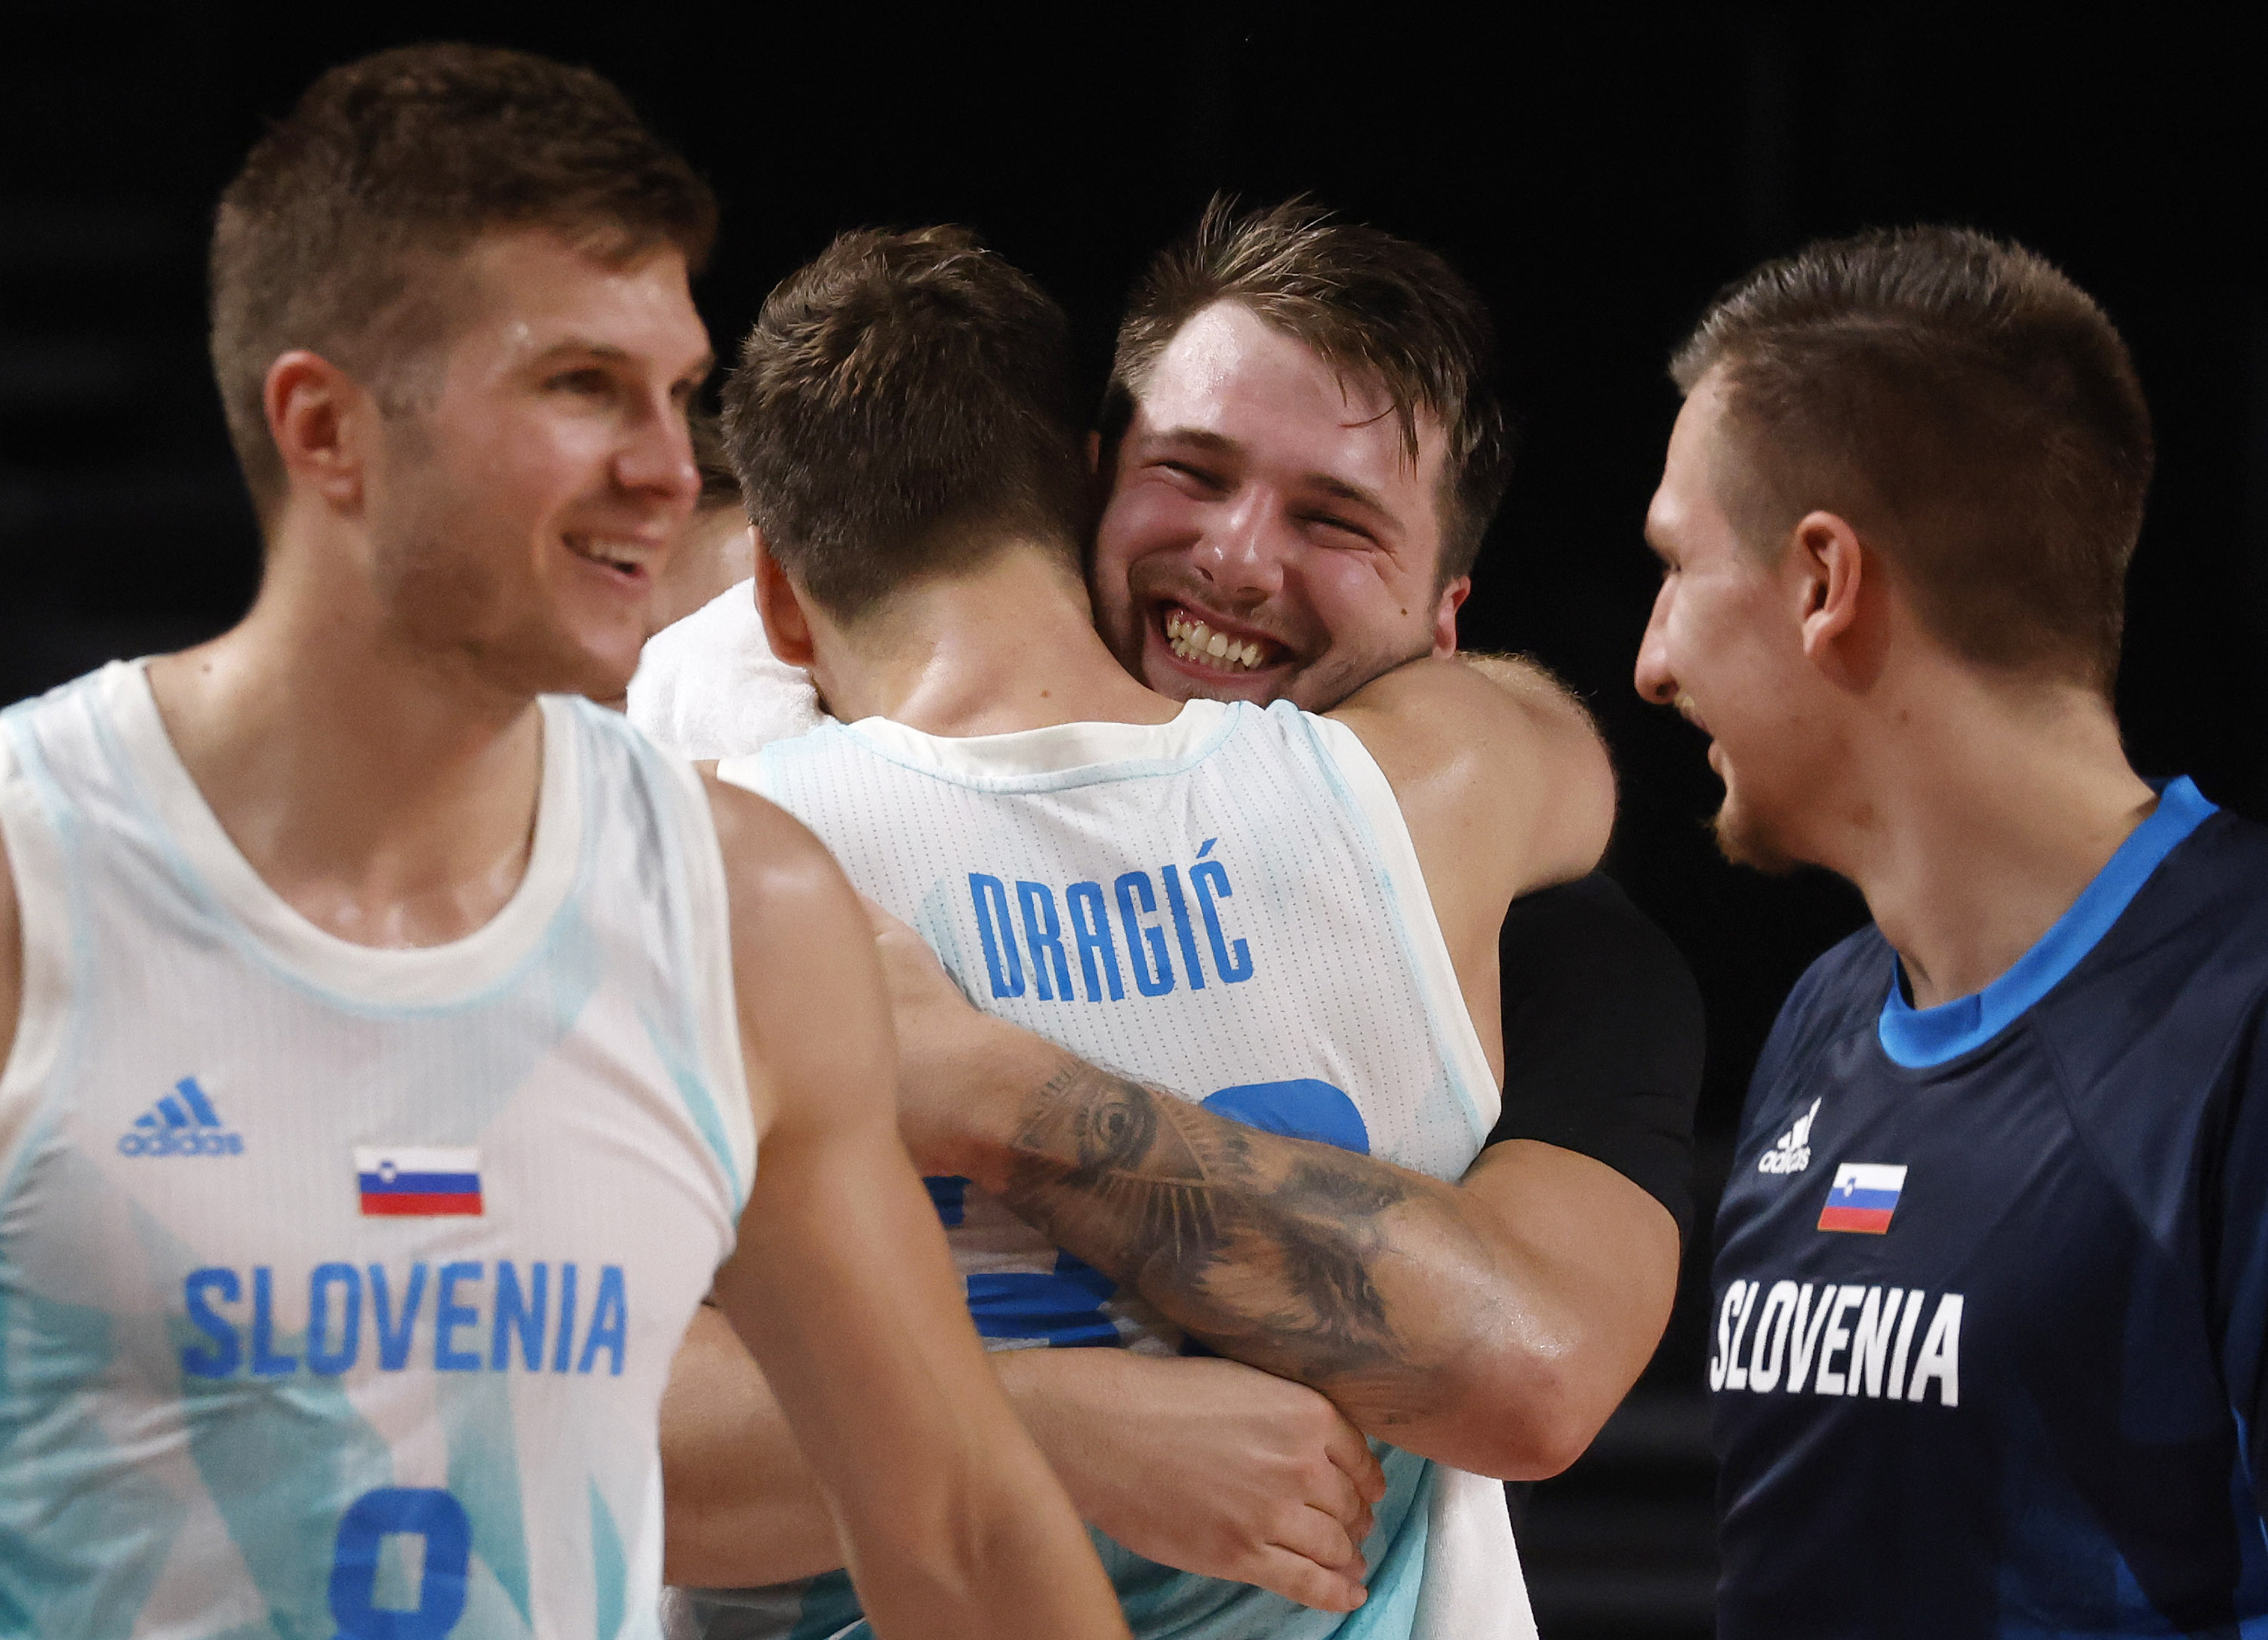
pixel 625 559
pixel 1193 640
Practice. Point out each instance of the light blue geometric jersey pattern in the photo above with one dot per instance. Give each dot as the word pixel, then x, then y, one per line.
pixel 1228 906
pixel 243 1392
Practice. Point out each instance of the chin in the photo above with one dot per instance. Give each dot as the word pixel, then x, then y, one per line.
pixel 1745 840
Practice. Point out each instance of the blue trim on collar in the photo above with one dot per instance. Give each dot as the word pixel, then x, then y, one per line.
pixel 1920 1037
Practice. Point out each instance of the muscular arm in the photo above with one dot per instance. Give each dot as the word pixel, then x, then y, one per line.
pixel 1207 1466
pixel 952 1522
pixel 1494 1323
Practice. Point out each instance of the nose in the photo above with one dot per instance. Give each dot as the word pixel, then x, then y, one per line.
pixel 1656 681
pixel 657 458
pixel 1242 556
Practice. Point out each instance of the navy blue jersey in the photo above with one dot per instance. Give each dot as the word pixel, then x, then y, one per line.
pixel 1991 1278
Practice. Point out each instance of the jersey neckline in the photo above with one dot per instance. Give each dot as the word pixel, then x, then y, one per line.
pixel 1056 749
pixel 1919 1038
pixel 416 976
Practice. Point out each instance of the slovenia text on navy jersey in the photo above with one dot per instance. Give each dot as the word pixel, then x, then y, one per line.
pixel 1991 1279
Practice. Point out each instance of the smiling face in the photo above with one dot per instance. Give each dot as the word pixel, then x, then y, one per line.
pixel 1724 645
pixel 519 511
pixel 1266 536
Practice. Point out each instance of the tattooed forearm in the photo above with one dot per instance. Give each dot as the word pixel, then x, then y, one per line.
pixel 1267 1247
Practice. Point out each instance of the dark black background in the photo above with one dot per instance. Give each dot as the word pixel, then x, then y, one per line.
pixel 1597 177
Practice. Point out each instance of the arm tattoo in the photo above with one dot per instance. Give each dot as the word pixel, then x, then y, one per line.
pixel 1262 1245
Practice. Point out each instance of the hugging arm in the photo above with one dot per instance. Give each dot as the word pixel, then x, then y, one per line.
pixel 1492 1322
pixel 1458 1320
pixel 1207 1466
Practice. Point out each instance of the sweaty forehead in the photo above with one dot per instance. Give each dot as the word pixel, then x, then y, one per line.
pixel 532 291
pixel 1229 374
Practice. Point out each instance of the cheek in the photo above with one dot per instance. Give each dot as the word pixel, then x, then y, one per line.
pixel 1362 607
pixel 1143 542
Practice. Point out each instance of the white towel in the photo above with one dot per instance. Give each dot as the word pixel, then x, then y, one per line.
pixel 709 685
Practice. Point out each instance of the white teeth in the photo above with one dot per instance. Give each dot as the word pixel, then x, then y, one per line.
pixel 1194 640
pixel 616 554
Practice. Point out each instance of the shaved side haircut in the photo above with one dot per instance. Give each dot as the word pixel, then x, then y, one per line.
pixel 331 235
pixel 1970 411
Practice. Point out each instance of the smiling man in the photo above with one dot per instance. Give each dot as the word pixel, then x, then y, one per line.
pixel 1301 457
pixel 1273 914
pixel 1990 1269
pixel 1308 498
pixel 391 1035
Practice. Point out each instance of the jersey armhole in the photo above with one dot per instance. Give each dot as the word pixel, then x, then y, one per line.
pixel 715 1004
pixel 1369 795
pixel 38 862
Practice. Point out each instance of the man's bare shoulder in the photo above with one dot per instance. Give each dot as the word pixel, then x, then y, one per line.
pixel 1494 717
pixel 1541 693
pixel 804 969
pixel 773 864
pixel 1497 757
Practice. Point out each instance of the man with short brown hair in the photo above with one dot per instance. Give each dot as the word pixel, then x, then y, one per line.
pixel 390 1033
pixel 1377 310
pixel 1992 1266
pixel 852 409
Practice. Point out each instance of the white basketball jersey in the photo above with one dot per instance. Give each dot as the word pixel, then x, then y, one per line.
pixel 338 1286
pixel 1227 905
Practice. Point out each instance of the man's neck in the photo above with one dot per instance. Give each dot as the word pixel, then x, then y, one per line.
pixel 1971 830
pixel 391 803
pixel 1008 646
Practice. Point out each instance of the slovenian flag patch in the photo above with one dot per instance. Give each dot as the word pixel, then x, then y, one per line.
pixel 1863 1197
pixel 413 1182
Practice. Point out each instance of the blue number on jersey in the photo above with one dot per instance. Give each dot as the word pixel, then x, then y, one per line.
pixel 423 1512
pixel 1064 1306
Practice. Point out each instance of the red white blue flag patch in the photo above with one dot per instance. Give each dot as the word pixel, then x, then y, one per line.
pixel 411 1182
pixel 1863 1197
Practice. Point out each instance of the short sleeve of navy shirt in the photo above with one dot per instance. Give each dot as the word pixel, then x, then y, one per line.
pixel 1991 1278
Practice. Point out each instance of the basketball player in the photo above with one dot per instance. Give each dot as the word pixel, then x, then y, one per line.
pixel 1991 1270
pixel 1200 1465
pixel 389 1047
pixel 1280 916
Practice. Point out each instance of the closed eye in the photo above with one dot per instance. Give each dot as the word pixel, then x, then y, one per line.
pixel 1346 526
pixel 1196 475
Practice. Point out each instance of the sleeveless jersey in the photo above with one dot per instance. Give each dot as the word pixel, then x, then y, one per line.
pixel 338 1286
pixel 1991 1278
pixel 1227 905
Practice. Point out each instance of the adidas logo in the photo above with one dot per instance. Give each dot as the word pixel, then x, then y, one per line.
pixel 1791 1152
pixel 182 1123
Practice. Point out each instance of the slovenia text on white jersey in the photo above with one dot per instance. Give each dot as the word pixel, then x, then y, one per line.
pixel 338 1286
pixel 1226 905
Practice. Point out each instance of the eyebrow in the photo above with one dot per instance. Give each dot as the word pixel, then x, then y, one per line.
pixel 1203 437
pixel 576 346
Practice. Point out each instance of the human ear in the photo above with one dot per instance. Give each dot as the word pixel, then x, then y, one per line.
pixel 1444 614
pixel 1827 563
pixel 317 415
pixel 786 628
